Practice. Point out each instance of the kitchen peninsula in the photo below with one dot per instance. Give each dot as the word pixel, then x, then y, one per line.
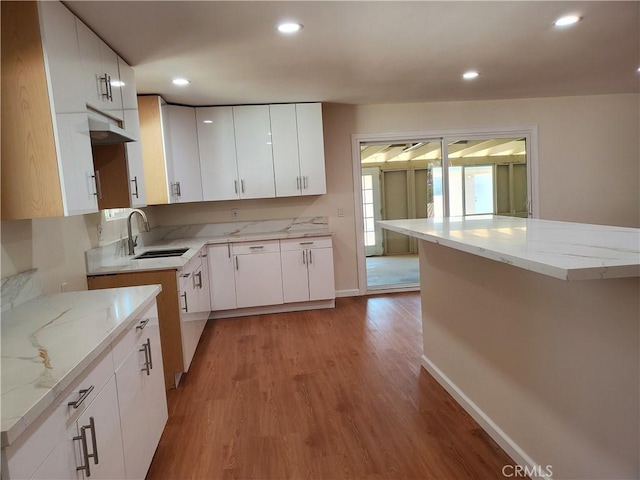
pixel 533 326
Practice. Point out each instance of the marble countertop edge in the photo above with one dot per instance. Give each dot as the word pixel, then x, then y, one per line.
pixel 616 268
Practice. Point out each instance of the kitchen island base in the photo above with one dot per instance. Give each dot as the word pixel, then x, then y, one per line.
pixel 549 368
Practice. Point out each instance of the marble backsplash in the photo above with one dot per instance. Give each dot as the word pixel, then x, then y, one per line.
pixel 20 288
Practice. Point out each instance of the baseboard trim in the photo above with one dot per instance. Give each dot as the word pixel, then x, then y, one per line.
pixel 392 289
pixel 284 308
pixel 488 425
pixel 353 292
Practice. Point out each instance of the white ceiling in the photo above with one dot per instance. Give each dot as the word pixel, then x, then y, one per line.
pixel 365 52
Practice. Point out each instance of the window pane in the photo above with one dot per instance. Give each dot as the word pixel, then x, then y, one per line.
pixel 370 239
pixel 369 225
pixel 367 182
pixel 368 196
pixel 455 191
pixel 478 189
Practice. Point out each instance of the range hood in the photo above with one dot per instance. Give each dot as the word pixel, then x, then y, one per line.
pixel 105 131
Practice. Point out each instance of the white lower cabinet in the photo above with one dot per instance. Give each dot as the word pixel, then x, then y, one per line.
pixel 92 447
pixel 107 423
pixel 273 272
pixel 195 305
pixel 258 273
pixel 222 283
pixel 307 269
pixel 141 398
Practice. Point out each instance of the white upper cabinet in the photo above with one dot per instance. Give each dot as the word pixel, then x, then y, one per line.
pixel 183 158
pixel 311 148
pixel 127 87
pixel 217 146
pixel 286 162
pixel 254 153
pixel 99 71
pixel 58 28
pixel 298 149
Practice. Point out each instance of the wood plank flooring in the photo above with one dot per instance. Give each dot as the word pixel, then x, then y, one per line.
pixel 325 394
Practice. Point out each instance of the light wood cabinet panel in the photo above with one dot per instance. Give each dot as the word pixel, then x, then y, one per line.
pixel 153 149
pixel 217 147
pixel 253 149
pixel 168 313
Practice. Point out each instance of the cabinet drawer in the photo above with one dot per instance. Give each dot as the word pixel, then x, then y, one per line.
pixel 303 243
pixel 133 335
pixel 247 248
pixel 34 445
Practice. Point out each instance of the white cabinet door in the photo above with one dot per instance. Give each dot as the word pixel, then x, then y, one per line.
pixel 311 148
pixel 182 141
pixel 204 288
pixel 142 402
pixel 80 188
pixel 61 463
pixel 258 279
pixel 60 43
pixel 253 149
pixel 101 423
pixel 156 403
pixel 217 147
pixel 99 68
pixel 286 164
pixel 321 279
pixel 222 285
pixel 135 167
pixel 295 283
pixel 128 87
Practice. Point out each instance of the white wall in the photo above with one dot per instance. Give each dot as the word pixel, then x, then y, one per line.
pixel 589 162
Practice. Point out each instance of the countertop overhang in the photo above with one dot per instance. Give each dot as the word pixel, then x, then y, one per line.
pixel 563 250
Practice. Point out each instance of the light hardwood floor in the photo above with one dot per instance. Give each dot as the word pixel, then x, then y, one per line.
pixel 326 394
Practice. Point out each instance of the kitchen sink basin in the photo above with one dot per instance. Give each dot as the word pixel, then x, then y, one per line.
pixel 173 252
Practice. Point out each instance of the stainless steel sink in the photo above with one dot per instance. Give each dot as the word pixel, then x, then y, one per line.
pixel 173 252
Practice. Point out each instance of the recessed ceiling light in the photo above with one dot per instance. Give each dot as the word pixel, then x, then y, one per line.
pixel 117 83
pixel 567 20
pixel 207 121
pixel 181 82
pixel 470 75
pixel 638 70
pixel 289 27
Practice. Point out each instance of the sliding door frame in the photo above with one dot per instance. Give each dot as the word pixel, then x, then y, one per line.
pixel 530 133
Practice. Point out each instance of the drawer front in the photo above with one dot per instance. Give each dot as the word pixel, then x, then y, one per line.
pixel 248 248
pixel 133 335
pixel 304 243
pixel 34 445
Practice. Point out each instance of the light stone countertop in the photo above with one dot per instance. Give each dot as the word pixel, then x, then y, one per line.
pixel 48 341
pixel 563 250
pixel 113 258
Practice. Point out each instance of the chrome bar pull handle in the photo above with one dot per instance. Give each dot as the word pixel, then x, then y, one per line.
pixel 105 78
pixel 142 324
pixel 235 186
pixel 199 275
pixel 298 183
pixel 306 243
pixel 147 356
pixel 237 266
pixel 257 247
pixel 186 306
pixel 305 181
pixel 148 344
pixel 84 393
pixel 98 185
pixel 85 451
pixel 242 185
pixel 229 250
pixel 310 257
pixel 94 441
pixel 135 183
pixel 304 257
